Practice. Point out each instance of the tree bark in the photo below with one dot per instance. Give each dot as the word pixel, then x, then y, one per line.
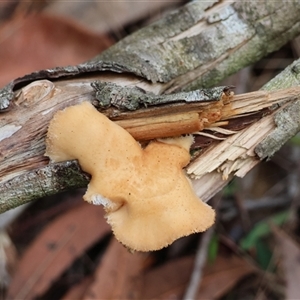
pixel 197 45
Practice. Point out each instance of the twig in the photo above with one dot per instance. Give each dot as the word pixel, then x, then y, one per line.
pixel 251 205
pixel 200 260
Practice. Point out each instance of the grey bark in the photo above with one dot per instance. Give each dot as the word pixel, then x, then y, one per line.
pixel 126 98
pixel 287 119
pixel 204 42
pixel 42 182
pixel 195 46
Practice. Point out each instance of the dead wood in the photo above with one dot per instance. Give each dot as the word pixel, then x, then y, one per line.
pixel 23 124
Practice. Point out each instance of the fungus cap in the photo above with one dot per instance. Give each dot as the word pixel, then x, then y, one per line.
pixel 148 199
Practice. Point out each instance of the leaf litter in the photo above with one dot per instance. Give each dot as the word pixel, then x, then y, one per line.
pixel 56 247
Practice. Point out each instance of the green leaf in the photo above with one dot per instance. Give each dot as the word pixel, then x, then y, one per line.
pixel 262 229
pixel 264 255
pixel 213 249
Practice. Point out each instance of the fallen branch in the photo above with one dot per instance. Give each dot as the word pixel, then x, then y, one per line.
pixel 195 46
pixel 233 156
pixel 26 113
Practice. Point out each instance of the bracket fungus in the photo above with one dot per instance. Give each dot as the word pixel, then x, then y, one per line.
pixel 148 199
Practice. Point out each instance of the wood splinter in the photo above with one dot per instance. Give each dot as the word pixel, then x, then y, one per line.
pixel 173 119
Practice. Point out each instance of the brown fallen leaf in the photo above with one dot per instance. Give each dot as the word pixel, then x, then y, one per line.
pixel 165 282
pixel 115 274
pixel 39 41
pixel 78 291
pixel 169 281
pixel 222 276
pixel 34 219
pixel 57 246
pixel 289 252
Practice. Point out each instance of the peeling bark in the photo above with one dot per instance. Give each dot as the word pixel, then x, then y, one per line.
pixel 193 47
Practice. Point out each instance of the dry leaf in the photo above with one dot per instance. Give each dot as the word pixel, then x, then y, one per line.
pixel 116 273
pixel 40 41
pixel 290 259
pixel 63 240
pixel 222 276
pixel 165 282
pixel 78 290
pixel 170 280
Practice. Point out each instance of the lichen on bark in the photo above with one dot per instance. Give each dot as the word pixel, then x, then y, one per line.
pixel 42 182
pixel 287 118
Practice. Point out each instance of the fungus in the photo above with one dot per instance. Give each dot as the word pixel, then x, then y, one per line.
pixel 148 199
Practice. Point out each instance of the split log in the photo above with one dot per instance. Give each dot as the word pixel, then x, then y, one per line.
pixel 198 45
